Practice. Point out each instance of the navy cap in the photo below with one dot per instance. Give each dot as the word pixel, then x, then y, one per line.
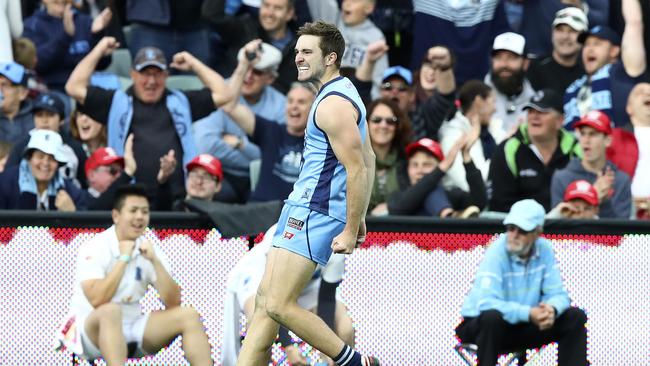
pixel 16 73
pixel 602 32
pixel 50 102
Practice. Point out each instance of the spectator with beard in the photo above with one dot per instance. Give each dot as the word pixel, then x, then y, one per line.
pixel 507 78
pixel 607 82
pixel 518 299
pixel 563 63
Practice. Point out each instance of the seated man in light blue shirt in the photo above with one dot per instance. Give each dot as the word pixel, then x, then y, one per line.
pixel 518 299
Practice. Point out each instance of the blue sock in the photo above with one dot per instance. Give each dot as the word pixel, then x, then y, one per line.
pixel 348 357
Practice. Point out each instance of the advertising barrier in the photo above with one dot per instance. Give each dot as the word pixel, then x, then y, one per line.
pixel 403 290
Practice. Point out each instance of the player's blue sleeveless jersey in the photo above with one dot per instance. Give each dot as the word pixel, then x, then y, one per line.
pixel 321 185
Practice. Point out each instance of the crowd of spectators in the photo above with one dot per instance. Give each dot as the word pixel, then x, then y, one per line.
pixel 474 108
pixel 471 105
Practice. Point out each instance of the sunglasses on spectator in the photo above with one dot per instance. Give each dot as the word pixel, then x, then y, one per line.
pixel 511 227
pixel 389 87
pixel 112 170
pixel 393 121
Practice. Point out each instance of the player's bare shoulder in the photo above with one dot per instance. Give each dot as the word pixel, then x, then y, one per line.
pixel 334 109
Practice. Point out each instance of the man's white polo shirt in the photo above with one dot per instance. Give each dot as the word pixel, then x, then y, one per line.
pixel 96 259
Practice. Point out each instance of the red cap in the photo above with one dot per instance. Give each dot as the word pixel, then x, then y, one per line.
pixel 425 144
pixel 208 162
pixel 101 157
pixel 596 120
pixel 583 190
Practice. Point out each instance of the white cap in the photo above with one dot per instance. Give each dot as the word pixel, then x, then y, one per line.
pixel 270 59
pixel 509 41
pixel 48 142
pixel 573 17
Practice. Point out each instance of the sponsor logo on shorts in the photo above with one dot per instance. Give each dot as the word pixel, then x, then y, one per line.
pixel 295 223
pixel 287 235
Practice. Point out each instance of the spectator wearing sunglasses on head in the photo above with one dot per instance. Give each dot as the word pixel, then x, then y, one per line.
pixel 390 131
pixel 563 63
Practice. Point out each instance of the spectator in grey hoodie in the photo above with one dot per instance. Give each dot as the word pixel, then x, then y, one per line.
pixel 612 184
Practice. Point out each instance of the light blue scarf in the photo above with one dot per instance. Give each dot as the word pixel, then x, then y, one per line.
pixel 121 113
pixel 27 182
pixel 601 96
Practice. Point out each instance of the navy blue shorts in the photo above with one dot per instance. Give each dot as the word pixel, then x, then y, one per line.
pixel 307 233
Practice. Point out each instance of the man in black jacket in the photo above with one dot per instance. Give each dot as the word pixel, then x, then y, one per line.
pixel 522 166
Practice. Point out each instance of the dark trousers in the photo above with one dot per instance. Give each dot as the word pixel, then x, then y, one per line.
pixel 494 336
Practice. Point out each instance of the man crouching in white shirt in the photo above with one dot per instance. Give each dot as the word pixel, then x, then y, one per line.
pixel 114 269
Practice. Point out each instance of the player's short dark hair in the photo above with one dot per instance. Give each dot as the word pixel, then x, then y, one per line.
pixel 331 39
pixel 469 91
pixel 122 192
